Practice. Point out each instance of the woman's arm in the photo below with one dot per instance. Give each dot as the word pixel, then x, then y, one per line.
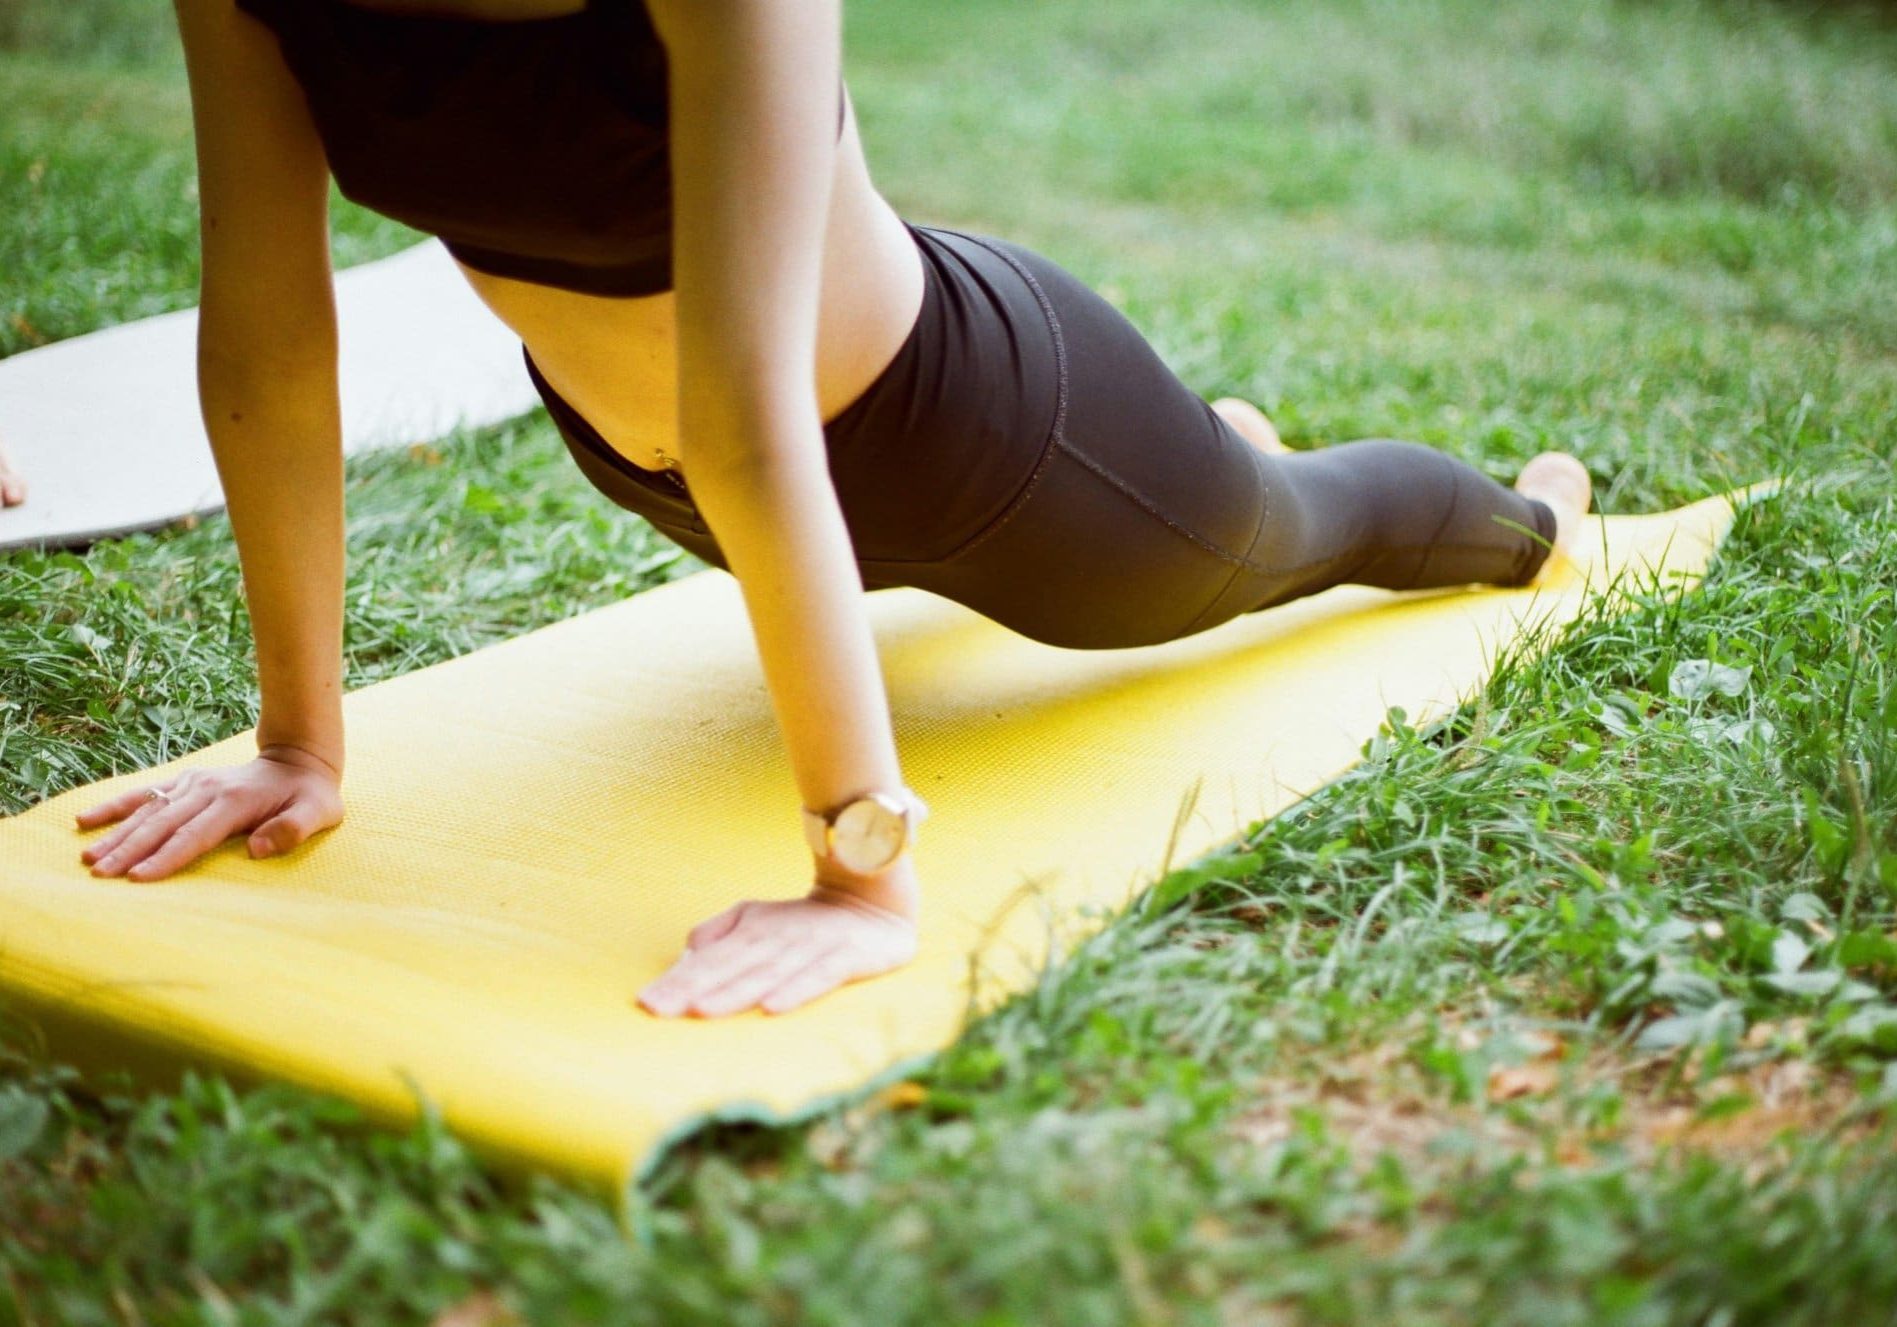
pixel 753 89
pixel 268 390
pixel 267 373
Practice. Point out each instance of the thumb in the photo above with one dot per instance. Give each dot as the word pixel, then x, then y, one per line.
pixel 283 832
pixel 715 928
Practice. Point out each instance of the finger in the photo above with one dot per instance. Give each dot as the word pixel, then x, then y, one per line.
pixel 284 831
pixel 152 832
pixel 104 847
pixel 191 840
pixel 745 989
pixel 667 995
pixel 695 973
pixel 698 971
pixel 713 929
pixel 805 985
pixel 113 808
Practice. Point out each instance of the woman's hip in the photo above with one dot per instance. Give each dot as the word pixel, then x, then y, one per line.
pixel 1025 452
pixel 933 449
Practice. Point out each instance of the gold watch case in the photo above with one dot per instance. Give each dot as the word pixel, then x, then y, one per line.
pixel 867 833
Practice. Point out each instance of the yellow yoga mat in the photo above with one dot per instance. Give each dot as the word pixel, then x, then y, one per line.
pixel 532 829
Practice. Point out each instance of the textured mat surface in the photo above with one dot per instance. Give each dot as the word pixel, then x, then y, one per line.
pixel 533 828
pixel 106 427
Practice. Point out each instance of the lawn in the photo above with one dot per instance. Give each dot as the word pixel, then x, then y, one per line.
pixel 1578 1008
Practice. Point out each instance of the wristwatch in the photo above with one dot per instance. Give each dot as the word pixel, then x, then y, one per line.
pixel 866 833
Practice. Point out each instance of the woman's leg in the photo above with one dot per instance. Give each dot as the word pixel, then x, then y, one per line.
pixel 1153 516
pixel 1027 454
pixel 1555 479
pixel 1397 515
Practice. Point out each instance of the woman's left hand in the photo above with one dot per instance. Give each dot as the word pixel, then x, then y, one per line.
pixel 781 954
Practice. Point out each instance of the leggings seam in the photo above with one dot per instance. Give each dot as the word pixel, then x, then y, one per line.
pixel 1146 505
pixel 1455 501
pixel 1258 530
pixel 1056 437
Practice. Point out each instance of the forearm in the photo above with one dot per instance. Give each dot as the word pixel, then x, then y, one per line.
pixel 275 428
pixel 776 519
pixel 752 84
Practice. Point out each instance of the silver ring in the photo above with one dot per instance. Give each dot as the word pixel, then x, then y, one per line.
pixel 158 795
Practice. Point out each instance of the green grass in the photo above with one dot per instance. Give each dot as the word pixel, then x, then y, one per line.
pixel 1579 1008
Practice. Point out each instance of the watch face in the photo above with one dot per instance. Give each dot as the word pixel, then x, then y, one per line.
pixel 869 835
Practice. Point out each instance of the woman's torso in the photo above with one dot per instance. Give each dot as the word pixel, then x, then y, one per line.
pixel 614 356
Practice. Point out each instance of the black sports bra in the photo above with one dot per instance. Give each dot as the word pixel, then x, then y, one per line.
pixel 535 148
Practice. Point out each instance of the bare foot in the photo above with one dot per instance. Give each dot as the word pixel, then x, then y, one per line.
pixel 1251 424
pixel 1562 482
pixel 12 482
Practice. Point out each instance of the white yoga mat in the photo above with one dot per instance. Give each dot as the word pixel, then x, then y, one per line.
pixel 106 428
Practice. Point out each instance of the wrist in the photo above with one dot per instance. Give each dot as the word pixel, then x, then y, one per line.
pixel 896 888
pixel 868 832
pixel 295 753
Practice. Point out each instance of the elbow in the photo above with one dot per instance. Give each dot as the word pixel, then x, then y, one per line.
pixel 754 470
pixel 236 351
pixel 752 434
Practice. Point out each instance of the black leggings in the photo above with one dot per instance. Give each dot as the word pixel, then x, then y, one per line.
pixel 1027 454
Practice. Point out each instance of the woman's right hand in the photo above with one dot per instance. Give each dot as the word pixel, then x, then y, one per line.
pixel 283 796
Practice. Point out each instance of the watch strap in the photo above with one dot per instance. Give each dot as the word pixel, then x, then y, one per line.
pixel 817 831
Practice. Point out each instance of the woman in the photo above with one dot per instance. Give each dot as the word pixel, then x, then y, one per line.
pixel 740 339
